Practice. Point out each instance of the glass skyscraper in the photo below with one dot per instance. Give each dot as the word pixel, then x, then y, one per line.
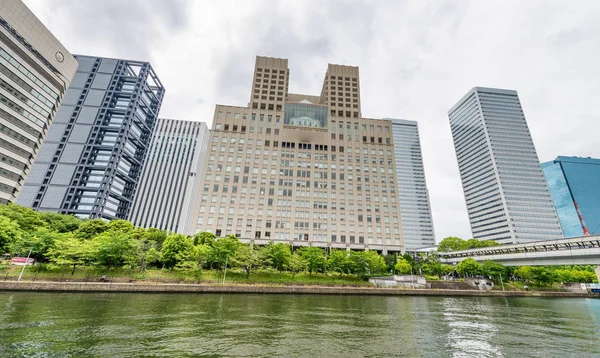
pixel 575 180
pixel 93 155
pixel 505 191
pixel 417 225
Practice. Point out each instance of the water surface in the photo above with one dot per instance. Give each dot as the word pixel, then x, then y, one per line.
pixel 237 325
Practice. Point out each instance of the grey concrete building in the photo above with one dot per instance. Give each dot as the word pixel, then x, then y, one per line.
pixel 35 71
pixel 167 195
pixel 506 194
pixel 302 169
pixel 93 155
pixel 417 223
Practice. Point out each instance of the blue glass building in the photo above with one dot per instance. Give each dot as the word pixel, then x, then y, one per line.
pixel 570 180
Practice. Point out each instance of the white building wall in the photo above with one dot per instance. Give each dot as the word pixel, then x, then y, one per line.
pixel 165 194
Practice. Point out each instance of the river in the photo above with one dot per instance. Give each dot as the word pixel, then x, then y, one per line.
pixel 220 325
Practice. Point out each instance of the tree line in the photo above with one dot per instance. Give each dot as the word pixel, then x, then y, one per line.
pixel 67 241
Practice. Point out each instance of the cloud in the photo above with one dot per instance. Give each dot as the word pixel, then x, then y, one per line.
pixel 416 58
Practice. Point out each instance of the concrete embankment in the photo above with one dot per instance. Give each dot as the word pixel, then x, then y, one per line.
pixel 258 289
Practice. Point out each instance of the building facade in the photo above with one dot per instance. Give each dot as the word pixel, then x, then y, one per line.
pixel 574 184
pixel 507 197
pixel 91 160
pixel 417 223
pixel 169 186
pixel 35 71
pixel 302 169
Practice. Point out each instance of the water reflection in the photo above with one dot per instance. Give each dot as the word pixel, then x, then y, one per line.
pixel 104 325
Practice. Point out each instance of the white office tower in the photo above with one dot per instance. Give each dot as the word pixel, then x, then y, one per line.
pixel 167 195
pixel 35 71
pixel 417 225
pixel 506 194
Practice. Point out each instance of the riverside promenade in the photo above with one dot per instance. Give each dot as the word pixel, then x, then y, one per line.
pixel 269 289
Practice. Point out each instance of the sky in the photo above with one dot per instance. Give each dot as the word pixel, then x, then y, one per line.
pixel 416 60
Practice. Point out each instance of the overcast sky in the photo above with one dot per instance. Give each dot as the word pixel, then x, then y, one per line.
pixel 416 59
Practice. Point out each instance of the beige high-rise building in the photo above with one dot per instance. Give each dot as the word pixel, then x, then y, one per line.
pixel 35 71
pixel 302 169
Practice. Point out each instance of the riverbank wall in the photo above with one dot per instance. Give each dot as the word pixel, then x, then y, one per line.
pixel 260 289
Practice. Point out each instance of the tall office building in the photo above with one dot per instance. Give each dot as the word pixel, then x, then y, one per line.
pixel 507 197
pixel 574 184
pixel 35 71
pixel 302 169
pixel 167 194
pixel 93 155
pixel 417 225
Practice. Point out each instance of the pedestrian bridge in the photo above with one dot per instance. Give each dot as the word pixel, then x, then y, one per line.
pixel 573 251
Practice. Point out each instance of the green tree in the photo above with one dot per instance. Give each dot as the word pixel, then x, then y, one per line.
pixel 39 242
pixel 390 262
pixel 203 254
pixel 121 225
pixel 375 262
pixel 358 263
pixel 248 257
pixel 541 276
pixel 432 268
pixel 9 233
pixel 338 260
pixel 314 257
pixel 28 219
pixel 176 248
pixel 452 243
pixel 152 256
pixel 90 228
pixel 225 248
pixel 475 244
pixel 447 269
pixel 278 255
pixel 70 251
pixel 469 267
pixel 493 269
pixel 403 267
pixel 524 272
pixel 60 222
pixel 204 237
pixel 114 249
pixel 296 264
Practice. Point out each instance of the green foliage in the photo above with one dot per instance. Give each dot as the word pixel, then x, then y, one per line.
pixel 175 249
pixel 90 228
pixel 114 249
pixel 225 248
pixel 469 267
pixel 296 264
pixel 39 242
pixel 339 261
pixel 314 257
pixel 447 269
pixel 28 219
pixel 70 251
pixel 121 226
pixel 278 255
pixel 390 262
pixel 403 267
pixel 9 233
pixel 248 258
pixel 60 222
pixel 457 244
pixel 204 237
pixel 152 256
pixel 493 269
pixel 452 243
